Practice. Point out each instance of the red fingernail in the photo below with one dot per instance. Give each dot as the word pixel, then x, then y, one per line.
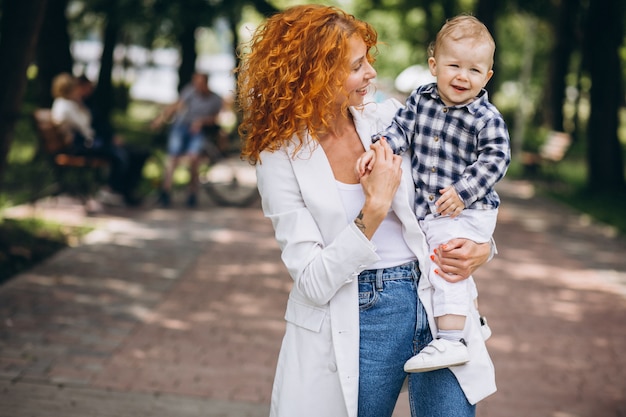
pixel 436 251
pixel 437 271
pixel 432 257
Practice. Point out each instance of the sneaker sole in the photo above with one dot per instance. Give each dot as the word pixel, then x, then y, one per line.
pixel 428 368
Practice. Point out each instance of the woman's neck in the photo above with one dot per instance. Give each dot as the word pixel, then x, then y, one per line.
pixel 342 125
pixel 343 147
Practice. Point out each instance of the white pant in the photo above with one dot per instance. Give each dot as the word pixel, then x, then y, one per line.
pixel 473 224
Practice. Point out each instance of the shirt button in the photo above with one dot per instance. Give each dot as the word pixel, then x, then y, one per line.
pixel 431 197
pixel 445 110
pixel 436 138
pixel 433 169
pixel 332 367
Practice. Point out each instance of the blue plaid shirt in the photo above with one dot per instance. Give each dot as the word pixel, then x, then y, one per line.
pixel 467 146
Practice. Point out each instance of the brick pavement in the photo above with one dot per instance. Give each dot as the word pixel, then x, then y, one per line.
pixel 556 301
pixel 179 313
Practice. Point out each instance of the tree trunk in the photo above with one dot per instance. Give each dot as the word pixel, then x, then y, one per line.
pixel 264 7
pixel 21 22
pixel 53 49
pixel 233 16
pixel 604 152
pixel 104 88
pixel 486 12
pixel 525 78
pixel 559 65
pixel 187 41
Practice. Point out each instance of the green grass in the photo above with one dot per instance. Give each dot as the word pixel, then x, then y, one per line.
pixel 566 182
pixel 24 243
pixel 607 209
pixel 572 190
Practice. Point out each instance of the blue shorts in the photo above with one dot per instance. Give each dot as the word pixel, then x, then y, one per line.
pixel 181 142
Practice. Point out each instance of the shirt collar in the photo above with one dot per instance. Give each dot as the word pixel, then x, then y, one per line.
pixel 472 107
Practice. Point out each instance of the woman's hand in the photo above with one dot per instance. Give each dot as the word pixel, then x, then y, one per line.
pixel 459 258
pixel 379 186
pixel 381 182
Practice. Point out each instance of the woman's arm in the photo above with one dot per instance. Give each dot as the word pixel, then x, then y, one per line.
pixel 379 185
pixel 319 267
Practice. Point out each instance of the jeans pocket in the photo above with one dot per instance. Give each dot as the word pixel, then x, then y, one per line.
pixel 367 295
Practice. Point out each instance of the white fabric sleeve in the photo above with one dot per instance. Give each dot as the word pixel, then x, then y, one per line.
pixel 319 269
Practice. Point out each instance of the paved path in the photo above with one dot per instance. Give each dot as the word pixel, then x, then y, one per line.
pixel 179 313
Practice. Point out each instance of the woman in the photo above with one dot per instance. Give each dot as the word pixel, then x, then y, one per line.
pixel 354 250
pixel 84 137
pixel 70 114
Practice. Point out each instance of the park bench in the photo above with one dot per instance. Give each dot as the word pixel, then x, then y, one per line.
pixel 551 152
pixel 76 175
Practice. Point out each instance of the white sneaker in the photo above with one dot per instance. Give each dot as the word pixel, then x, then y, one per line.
pixel 440 353
pixel 484 328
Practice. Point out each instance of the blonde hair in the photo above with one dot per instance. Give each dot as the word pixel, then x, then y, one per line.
pixel 289 80
pixel 62 85
pixel 462 27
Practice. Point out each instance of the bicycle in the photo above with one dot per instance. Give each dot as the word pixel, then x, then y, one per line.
pixel 224 177
pixel 229 181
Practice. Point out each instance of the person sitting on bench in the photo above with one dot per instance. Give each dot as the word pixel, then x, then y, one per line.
pixel 74 117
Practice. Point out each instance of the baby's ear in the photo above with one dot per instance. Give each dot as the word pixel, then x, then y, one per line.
pixel 489 75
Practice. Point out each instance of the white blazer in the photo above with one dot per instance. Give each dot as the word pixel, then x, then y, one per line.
pixel 318 365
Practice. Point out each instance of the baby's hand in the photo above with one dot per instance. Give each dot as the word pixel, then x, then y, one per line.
pixel 365 163
pixel 449 204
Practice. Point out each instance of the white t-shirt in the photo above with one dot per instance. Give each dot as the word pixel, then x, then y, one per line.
pixel 392 251
pixel 72 117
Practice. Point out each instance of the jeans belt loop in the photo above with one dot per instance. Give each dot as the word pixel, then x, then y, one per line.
pixel 379 280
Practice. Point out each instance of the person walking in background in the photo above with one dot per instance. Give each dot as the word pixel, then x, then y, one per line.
pixel 459 144
pixel 195 119
pixel 358 309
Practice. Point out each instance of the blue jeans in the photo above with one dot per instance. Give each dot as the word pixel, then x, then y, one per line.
pixel 394 327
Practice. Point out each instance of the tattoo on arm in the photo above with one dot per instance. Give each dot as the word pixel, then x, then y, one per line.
pixel 359 222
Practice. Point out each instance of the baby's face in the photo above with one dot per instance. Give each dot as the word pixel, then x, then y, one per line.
pixel 462 68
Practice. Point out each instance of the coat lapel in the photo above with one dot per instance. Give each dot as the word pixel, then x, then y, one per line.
pixel 319 190
pixel 321 196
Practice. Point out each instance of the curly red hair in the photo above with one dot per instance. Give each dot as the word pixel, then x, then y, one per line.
pixel 288 81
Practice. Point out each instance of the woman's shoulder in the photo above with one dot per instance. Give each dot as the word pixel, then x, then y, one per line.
pixel 59 102
pixel 376 115
pixel 61 107
pixel 378 109
pixel 64 103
